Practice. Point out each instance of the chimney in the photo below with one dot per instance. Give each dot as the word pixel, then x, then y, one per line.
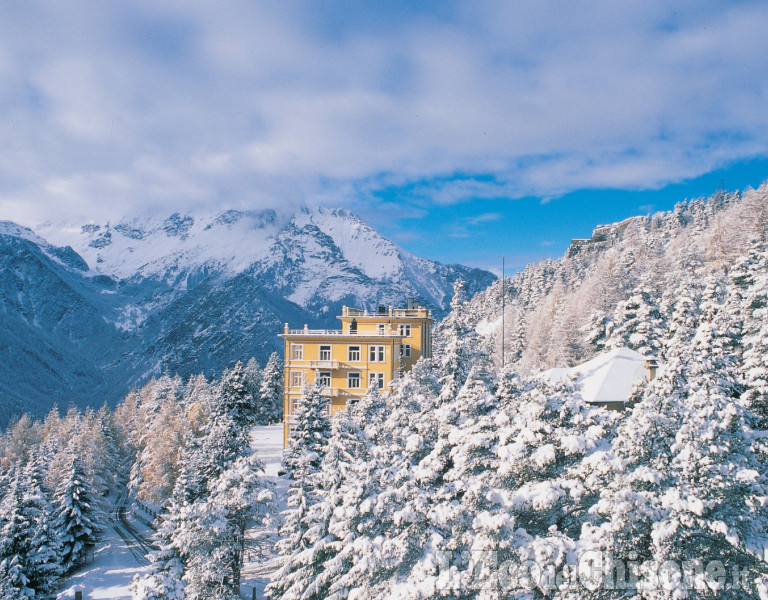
pixel 651 366
pixel 410 303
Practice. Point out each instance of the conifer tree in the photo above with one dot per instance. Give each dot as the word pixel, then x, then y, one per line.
pixel 235 397
pixel 13 581
pixel 164 577
pixel 751 276
pixel 639 324
pixel 43 563
pixel 271 391
pixel 77 519
pixel 315 552
pixel 218 491
pixel 689 476
pixel 597 331
pixel 15 536
pixel 309 435
pixel 457 346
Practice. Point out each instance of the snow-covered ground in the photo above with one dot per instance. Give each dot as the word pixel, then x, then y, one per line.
pixel 260 556
pixel 109 575
pixel 268 444
pixel 114 566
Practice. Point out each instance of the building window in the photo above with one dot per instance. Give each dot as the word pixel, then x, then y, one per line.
pixel 376 353
pixel 325 353
pixel 353 380
pixel 405 330
pixel 354 353
pixel 380 328
pixel 297 379
pixel 405 350
pixel 377 379
pixel 324 378
pixel 297 351
pixel 293 405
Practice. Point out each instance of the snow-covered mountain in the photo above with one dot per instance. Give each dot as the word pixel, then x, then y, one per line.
pixel 316 258
pixel 91 309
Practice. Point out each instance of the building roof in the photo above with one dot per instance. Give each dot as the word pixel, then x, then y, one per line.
pixel 608 377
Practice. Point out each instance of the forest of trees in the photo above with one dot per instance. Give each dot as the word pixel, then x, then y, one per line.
pixel 475 481
pixel 473 477
pixel 181 445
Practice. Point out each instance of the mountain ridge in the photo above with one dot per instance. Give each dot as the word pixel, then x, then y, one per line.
pixel 94 309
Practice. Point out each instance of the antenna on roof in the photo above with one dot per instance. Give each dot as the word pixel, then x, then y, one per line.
pixel 503 310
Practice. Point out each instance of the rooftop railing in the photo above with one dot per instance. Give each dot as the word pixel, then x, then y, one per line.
pixel 339 332
pixel 416 312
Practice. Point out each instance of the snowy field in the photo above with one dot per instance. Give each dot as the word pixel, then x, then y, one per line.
pixel 114 566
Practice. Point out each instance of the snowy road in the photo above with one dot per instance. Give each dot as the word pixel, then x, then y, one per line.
pixel 136 543
pixel 109 576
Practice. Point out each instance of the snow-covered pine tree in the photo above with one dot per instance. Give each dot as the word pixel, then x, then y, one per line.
pixel 323 549
pixel 309 433
pixel 110 454
pixel 218 491
pixel 370 413
pixel 394 502
pixel 453 479
pixel 271 391
pixel 43 563
pixel 77 518
pixel 164 577
pixel 457 346
pixel 307 447
pixel 211 531
pixel 252 371
pixel 236 396
pixel 751 276
pixel 13 581
pixel 16 530
pixel 689 478
pixel 638 323
pixel 597 331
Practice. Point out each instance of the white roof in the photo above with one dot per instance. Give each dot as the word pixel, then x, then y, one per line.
pixel 608 377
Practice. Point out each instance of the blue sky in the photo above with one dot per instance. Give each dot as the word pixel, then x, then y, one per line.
pixel 462 130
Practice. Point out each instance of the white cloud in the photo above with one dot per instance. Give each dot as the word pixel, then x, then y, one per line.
pixel 111 105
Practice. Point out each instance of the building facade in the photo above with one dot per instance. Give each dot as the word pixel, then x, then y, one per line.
pixel 371 348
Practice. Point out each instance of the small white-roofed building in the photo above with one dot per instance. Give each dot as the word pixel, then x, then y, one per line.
pixel 607 379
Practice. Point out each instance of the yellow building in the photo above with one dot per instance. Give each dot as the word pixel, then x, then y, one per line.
pixel 370 348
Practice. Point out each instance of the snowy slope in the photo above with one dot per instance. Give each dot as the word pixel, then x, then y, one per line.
pixel 364 248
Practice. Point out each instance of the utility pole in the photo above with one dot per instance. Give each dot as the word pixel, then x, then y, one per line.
pixel 503 315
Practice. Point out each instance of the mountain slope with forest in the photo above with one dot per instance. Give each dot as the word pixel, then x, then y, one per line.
pixel 92 310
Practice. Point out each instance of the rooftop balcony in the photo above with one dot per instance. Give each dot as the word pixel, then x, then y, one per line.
pixel 416 312
pixel 388 332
